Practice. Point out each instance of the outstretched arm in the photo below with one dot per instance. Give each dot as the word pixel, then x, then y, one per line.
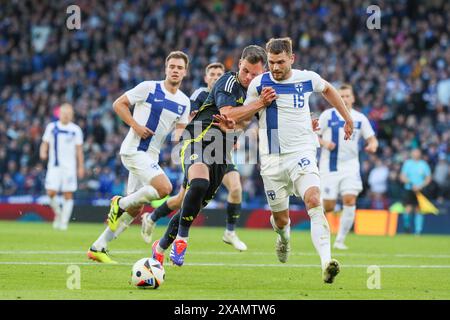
pixel 332 96
pixel 372 144
pixel 246 112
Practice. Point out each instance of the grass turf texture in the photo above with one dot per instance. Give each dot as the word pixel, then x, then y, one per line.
pixel 34 262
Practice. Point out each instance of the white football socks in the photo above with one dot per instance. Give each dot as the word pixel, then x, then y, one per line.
pixel 66 213
pixel 320 234
pixel 107 236
pixel 54 204
pixel 346 223
pixel 142 196
pixel 285 232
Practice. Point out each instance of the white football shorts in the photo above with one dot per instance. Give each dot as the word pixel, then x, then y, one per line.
pixel 143 167
pixel 61 179
pixel 287 174
pixel 338 183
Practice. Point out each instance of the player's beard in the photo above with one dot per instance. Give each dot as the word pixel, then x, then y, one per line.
pixel 281 75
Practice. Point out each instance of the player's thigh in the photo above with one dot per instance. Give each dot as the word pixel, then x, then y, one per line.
pixel 304 173
pixel 216 174
pixel 329 186
pixel 162 184
pixel 276 183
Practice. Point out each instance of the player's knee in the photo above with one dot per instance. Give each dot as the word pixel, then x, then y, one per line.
pixel 164 190
pixel 328 207
pixel 235 192
pixel 134 211
pixel 281 220
pixel 349 201
pixel 312 199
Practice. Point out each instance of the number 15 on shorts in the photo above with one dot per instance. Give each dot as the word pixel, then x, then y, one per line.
pixel 304 162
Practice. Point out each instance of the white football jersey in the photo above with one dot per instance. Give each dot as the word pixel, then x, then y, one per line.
pixel 157 109
pixel 62 140
pixel 345 156
pixel 285 126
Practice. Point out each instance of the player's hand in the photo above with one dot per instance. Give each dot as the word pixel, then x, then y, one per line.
pixel 315 124
pixel 223 122
pixel 348 129
pixel 330 145
pixel 80 172
pixel 192 115
pixel 370 148
pixel 143 131
pixel 268 95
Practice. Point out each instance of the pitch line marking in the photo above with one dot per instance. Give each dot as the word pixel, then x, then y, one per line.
pixel 336 254
pixel 239 265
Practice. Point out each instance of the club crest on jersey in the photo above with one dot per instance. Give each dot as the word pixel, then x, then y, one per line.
pixel 271 194
pixel 299 87
pixel 180 109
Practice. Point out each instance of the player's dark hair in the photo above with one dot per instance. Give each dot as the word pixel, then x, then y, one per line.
pixel 254 54
pixel 178 55
pixel 279 45
pixel 214 66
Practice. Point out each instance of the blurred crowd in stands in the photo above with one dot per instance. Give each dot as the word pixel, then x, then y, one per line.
pixel 400 74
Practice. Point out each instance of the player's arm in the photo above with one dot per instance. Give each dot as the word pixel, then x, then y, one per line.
pixel 178 132
pixel 332 96
pixel 330 145
pixel 372 144
pixel 43 150
pixel 243 114
pixel 122 108
pixel 80 161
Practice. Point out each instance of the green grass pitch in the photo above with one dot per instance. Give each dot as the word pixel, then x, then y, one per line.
pixel 35 260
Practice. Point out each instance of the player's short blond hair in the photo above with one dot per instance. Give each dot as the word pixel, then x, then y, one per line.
pixel 214 65
pixel 178 55
pixel 346 86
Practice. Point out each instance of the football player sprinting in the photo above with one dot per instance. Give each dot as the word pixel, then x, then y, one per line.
pixel 339 161
pixel 231 180
pixel 206 155
pixel 159 106
pixel 288 147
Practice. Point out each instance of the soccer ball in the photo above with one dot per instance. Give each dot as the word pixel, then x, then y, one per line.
pixel 147 273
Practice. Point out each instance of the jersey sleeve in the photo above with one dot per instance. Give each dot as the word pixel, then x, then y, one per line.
pixel 224 92
pixel 366 128
pixel 317 82
pixel 78 137
pixel 197 99
pixel 47 133
pixel 184 119
pixel 252 92
pixel 140 92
